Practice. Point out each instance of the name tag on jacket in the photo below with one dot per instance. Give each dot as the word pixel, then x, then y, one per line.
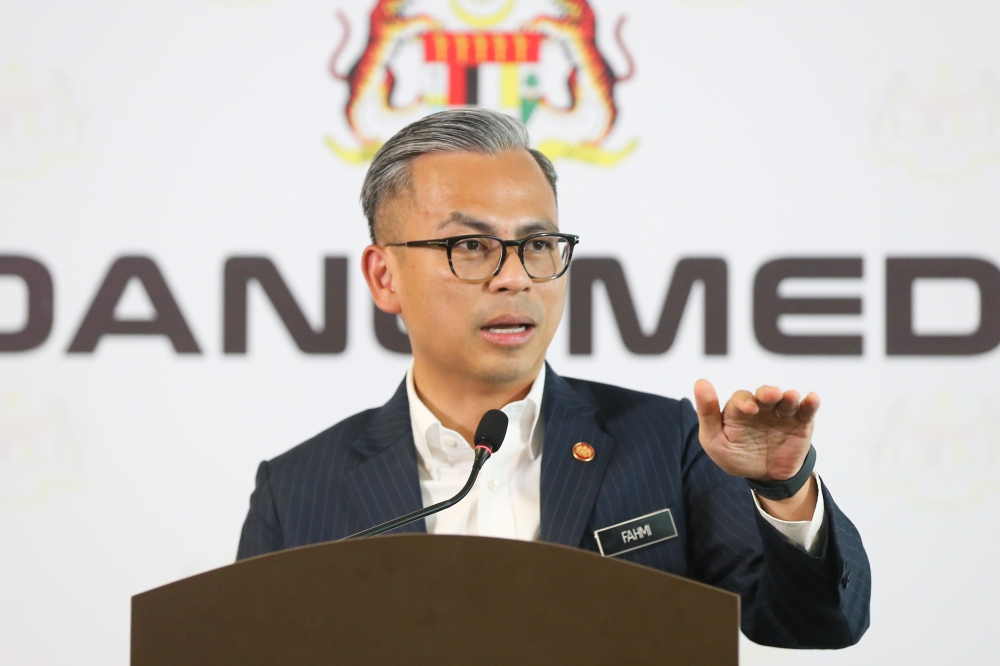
pixel 636 533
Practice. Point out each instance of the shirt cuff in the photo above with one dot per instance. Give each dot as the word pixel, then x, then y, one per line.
pixel 809 535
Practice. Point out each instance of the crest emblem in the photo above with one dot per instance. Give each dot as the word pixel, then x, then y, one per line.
pixel 39 452
pixel 939 452
pixel 940 124
pixel 536 61
pixel 39 124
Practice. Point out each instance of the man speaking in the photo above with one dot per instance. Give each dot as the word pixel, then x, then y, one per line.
pixel 466 248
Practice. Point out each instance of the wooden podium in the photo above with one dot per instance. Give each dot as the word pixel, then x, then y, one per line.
pixel 436 600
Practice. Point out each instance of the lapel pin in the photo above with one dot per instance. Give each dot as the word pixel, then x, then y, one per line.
pixel 583 452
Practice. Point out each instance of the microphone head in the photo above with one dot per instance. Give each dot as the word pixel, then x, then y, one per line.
pixel 491 430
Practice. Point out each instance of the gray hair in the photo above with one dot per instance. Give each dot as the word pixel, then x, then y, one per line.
pixel 461 130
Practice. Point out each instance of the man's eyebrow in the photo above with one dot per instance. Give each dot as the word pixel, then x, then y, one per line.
pixel 536 227
pixel 479 226
pixel 460 218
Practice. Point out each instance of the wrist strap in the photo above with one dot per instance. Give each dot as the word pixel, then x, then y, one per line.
pixel 781 490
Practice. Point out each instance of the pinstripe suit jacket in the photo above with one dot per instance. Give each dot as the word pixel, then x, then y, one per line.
pixel 363 471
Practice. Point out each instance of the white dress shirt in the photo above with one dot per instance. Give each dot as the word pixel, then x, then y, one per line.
pixel 505 501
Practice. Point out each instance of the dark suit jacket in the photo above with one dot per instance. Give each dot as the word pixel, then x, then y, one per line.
pixel 363 471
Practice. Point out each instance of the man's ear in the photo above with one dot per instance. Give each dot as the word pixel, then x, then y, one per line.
pixel 380 274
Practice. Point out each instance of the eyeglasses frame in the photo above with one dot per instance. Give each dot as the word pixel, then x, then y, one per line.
pixel 450 242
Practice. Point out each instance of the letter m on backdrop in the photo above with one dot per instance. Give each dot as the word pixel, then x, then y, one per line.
pixel 711 272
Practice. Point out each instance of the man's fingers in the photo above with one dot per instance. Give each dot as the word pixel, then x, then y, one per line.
pixel 743 403
pixel 707 405
pixel 767 397
pixel 788 405
pixel 808 408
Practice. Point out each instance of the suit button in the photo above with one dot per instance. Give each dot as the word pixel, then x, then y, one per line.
pixel 845 580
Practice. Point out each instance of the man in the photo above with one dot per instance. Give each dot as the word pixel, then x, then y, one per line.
pixel 466 249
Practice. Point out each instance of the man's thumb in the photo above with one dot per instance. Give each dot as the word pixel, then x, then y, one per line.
pixel 707 405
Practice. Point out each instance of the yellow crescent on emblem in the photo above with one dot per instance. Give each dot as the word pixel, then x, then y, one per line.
pixel 481 21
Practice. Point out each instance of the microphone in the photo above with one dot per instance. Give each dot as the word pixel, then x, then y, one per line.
pixel 490 432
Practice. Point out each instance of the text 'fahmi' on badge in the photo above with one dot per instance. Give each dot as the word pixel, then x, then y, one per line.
pixel 636 533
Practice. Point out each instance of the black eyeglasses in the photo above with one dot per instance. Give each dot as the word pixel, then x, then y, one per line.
pixel 478 257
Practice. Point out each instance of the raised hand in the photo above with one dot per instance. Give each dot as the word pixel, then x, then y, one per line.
pixel 763 436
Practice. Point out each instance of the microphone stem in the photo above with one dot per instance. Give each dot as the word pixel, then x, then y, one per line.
pixel 482 455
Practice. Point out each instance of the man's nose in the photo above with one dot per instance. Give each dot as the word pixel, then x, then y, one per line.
pixel 512 276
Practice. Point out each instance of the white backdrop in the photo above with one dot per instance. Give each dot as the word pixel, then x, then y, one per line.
pixel 197 130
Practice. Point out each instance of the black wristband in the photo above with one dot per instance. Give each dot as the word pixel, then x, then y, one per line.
pixel 781 490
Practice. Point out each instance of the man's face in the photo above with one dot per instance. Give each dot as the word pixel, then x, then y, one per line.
pixel 496 331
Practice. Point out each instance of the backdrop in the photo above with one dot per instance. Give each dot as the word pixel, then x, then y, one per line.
pixel 767 191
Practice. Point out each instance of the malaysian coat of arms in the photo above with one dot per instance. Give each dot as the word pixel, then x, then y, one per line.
pixel 941 123
pixel 536 61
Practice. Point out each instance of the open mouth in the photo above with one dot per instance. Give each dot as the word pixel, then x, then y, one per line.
pixel 508 330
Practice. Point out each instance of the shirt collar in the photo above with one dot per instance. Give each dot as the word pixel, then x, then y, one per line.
pixel 428 432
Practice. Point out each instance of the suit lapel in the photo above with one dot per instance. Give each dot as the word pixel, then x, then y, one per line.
pixel 386 484
pixel 569 486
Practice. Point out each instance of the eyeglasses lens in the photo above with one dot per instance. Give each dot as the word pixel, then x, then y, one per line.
pixel 545 256
pixel 475 258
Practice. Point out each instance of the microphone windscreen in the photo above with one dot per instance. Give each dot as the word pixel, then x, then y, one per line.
pixel 492 429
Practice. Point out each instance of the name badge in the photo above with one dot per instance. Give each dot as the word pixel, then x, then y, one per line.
pixel 636 533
